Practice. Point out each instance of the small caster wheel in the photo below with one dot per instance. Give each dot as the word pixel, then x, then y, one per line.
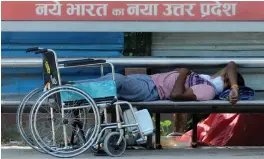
pixel 111 147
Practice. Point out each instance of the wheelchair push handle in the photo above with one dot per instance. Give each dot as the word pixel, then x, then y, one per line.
pixel 37 50
pixel 41 51
pixel 33 49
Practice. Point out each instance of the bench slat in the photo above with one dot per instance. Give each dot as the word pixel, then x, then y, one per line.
pixel 196 103
pixel 10 102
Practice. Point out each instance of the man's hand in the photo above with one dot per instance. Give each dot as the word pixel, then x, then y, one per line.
pixel 233 96
pixel 184 70
pixel 178 91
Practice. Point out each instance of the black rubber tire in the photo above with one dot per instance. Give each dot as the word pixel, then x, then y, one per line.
pixel 110 146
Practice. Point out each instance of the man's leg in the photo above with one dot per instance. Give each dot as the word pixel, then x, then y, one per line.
pixel 138 88
pixel 132 87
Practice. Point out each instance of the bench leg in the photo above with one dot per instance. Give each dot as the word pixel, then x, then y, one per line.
pixel 150 144
pixel 158 145
pixel 194 131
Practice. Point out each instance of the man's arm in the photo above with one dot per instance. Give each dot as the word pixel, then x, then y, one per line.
pixel 179 92
pixel 231 71
pixel 232 76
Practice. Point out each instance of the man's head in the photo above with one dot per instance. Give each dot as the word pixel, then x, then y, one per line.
pixel 240 81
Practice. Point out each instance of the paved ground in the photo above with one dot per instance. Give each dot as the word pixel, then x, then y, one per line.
pixel 179 153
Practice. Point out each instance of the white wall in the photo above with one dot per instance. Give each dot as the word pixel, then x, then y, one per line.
pixel 214 45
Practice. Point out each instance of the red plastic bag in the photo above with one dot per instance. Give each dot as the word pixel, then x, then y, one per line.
pixel 230 130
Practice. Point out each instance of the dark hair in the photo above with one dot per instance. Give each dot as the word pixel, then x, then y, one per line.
pixel 240 80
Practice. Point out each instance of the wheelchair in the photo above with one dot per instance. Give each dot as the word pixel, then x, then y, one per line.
pixel 67 118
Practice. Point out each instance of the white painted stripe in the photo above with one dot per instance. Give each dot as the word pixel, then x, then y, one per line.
pixel 132 26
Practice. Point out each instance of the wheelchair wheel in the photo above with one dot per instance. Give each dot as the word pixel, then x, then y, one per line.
pixel 62 131
pixel 111 147
pixel 22 119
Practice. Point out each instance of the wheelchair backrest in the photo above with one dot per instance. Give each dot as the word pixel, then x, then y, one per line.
pixel 99 90
pixel 51 74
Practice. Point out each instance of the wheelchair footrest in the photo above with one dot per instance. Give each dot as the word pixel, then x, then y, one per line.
pixel 143 119
pixel 141 141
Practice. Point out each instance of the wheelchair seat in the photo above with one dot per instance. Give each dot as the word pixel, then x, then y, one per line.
pixel 101 91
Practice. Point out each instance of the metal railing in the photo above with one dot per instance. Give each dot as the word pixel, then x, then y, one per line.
pixel 145 61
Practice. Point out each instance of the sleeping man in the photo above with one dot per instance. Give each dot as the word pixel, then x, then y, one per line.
pixel 178 85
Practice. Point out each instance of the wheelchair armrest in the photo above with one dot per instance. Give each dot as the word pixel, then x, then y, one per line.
pixel 67 82
pixel 113 101
pixel 81 62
